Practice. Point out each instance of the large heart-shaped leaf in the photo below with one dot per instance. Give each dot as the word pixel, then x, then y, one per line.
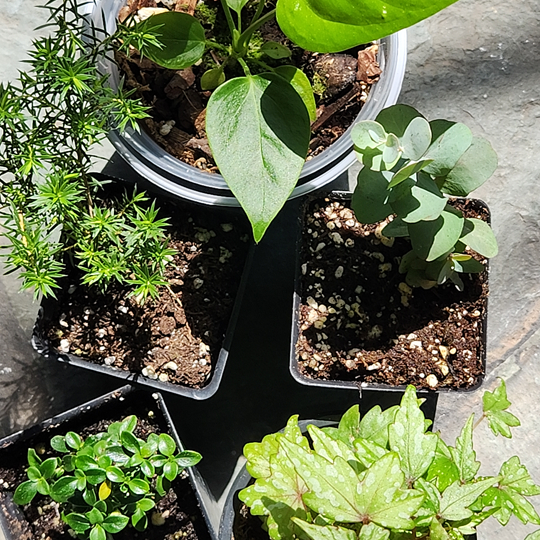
pixel 418 201
pixel 182 37
pixel 473 168
pixel 336 25
pixel 299 81
pixel 370 198
pixel 432 239
pixel 258 129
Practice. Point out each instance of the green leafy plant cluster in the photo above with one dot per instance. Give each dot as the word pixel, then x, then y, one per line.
pixel 107 481
pixel 258 126
pixel 410 166
pixel 385 477
pixel 54 209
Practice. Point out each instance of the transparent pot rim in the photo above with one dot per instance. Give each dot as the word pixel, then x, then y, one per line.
pixel 152 162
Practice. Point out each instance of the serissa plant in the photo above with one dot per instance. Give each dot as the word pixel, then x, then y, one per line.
pixel 107 481
pixel 258 125
pixel 410 166
pixel 385 477
pixel 54 210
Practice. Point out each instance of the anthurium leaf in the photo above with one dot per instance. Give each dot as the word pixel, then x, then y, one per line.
pixel 63 488
pixel 450 141
pixel 114 523
pixel 373 532
pixel 279 496
pixel 212 78
pixel 331 485
pixel 299 81
pixel 237 5
pixel 457 498
pixel 473 168
pixel 258 129
pixel 374 424
pixel 432 239
pixel 412 167
pixel 416 139
pixel 418 201
pixel 495 405
pixel 78 522
pixel 367 135
pixel 396 228
pixel 464 455
pixel 25 492
pixel 329 448
pixel 407 437
pixel 275 50
pixel 59 444
pixel 182 37
pixel 319 532
pixel 477 234
pixel 333 26
pixel 368 452
pixel 370 197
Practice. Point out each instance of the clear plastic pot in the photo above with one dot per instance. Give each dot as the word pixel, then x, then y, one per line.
pixel 151 161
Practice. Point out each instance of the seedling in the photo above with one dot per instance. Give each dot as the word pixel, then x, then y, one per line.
pixel 385 477
pixel 258 125
pixel 107 481
pixel 410 165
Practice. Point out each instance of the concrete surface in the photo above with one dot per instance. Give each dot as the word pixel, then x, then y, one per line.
pixel 475 62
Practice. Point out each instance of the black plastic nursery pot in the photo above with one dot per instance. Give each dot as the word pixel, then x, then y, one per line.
pixel 15 522
pixel 351 350
pixel 52 324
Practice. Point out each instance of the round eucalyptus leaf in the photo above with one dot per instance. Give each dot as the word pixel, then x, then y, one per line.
pixel 212 78
pixel 182 37
pixel 299 81
pixel 25 492
pixel 416 139
pixel 397 118
pixel 370 197
pixel 473 168
pixel 391 151
pixel 418 201
pixel 275 50
pixel 450 141
pixel 368 134
pixel 478 235
pixel 469 266
pixel 258 129
pixel 433 239
pixel 412 167
pixel 397 228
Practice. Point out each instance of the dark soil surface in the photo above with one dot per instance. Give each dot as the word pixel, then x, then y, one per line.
pixel 360 321
pixel 176 338
pixel 178 105
pixel 40 520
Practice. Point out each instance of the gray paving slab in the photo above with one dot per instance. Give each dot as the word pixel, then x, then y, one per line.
pixel 476 62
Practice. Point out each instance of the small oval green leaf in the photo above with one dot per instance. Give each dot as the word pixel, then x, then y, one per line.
pixel 275 50
pixel 25 492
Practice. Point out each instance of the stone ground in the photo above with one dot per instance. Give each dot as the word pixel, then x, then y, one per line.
pixel 476 62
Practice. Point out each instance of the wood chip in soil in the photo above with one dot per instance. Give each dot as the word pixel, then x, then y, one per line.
pixel 184 518
pixel 176 338
pixel 360 321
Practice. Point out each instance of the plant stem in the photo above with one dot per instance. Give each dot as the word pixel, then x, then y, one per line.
pixel 259 11
pixel 228 16
pixel 247 33
pixel 244 67
pixel 479 422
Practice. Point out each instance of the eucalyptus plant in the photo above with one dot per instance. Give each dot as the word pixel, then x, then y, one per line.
pixel 106 481
pixel 385 477
pixel 54 210
pixel 410 166
pixel 258 125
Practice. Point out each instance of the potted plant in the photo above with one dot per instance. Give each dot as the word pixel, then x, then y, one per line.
pixel 384 476
pixel 122 268
pixel 257 120
pixel 377 300
pixel 110 468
